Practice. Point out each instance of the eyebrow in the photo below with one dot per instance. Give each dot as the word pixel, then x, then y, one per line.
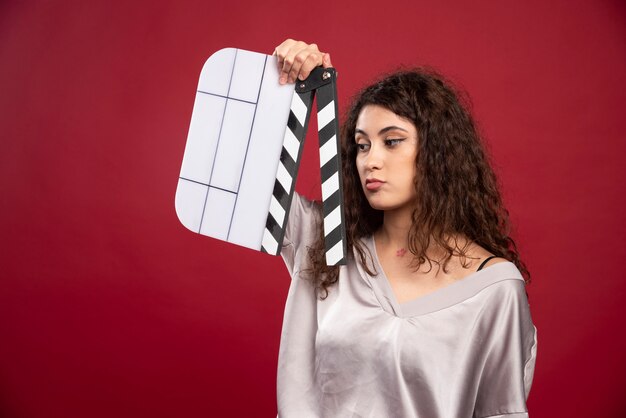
pixel 382 131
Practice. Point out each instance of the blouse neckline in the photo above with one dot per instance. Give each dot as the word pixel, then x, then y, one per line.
pixel 441 298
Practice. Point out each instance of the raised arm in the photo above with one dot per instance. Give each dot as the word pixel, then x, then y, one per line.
pixel 296 60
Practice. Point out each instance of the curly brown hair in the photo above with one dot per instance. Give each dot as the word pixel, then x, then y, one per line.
pixel 457 189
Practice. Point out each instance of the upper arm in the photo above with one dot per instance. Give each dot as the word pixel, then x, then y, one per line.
pixel 300 231
pixel 509 352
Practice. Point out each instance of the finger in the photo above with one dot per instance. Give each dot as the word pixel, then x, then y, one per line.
pixel 283 48
pixel 326 61
pixel 281 51
pixel 292 62
pixel 279 63
pixel 278 59
pixel 311 61
pixel 304 62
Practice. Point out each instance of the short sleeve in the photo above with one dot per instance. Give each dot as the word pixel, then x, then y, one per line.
pixel 300 232
pixel 509 353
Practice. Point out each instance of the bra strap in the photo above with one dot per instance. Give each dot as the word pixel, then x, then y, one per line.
pixel 484 262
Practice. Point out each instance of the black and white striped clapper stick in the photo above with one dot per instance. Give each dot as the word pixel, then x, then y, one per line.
pixel 322 81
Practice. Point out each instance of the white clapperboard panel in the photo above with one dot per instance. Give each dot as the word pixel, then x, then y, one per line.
pixel 233 147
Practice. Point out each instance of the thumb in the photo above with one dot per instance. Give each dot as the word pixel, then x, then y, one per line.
pixel 326 61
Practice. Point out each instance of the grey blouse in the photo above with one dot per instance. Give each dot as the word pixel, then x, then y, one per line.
pixel 465 350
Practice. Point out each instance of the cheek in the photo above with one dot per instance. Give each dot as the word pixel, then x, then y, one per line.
pixel 408 171
pixel 359 166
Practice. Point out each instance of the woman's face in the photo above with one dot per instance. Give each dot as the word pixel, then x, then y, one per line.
pixel 385 160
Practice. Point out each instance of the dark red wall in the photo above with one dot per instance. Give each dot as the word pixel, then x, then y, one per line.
pixel 110 308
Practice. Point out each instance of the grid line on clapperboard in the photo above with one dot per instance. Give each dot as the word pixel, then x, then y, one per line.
pixel 229 98
pixel 219 135
pixel 245 157
pixel 208 185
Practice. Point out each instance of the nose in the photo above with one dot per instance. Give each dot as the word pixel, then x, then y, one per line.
pixel 374 158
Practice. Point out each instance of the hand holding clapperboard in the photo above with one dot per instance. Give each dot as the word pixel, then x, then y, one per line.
pixel 243 151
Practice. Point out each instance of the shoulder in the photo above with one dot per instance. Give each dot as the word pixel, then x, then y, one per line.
pixel 503 296
pixel 482 258
pixel 507 289
pixel 471 255
pixel 301 206
pixel 500 280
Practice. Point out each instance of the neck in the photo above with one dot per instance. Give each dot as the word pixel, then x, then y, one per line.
pixel 394 232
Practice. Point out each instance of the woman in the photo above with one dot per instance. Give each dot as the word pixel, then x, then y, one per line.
pixel 429 318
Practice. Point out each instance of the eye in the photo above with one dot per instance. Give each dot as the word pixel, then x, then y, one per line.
pixel 392 142
pixel 362 146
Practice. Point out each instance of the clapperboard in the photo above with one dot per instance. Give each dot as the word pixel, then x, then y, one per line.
pixel 243 152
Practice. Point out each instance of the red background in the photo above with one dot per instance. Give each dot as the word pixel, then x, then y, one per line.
pixel 110 308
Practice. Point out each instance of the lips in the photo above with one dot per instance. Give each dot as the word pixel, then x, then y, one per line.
pixel 373 184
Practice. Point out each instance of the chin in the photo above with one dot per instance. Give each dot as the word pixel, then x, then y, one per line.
pixel 378 205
